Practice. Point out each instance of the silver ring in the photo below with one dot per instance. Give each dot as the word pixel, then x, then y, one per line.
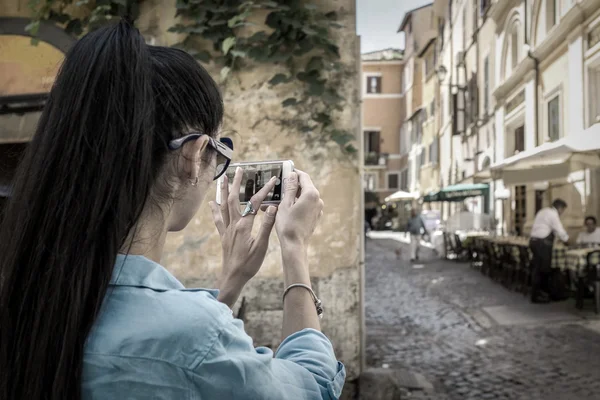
pixel 249 210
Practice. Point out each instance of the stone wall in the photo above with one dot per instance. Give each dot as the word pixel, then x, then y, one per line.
pixel 194 255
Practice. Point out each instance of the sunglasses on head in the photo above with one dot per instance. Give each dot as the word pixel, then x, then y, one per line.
pixel 223 147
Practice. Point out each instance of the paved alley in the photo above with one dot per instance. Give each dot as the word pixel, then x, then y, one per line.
pixel 472 338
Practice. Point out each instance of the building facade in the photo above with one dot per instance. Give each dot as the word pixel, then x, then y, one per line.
pixel 513 75
pixel 383 111
pixel 419 29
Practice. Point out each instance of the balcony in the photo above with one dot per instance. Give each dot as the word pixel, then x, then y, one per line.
pixel 374 159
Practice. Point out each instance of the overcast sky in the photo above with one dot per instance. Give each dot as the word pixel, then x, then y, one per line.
pixel 378 21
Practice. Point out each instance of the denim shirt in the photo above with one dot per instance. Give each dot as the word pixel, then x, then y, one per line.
pixel 154 339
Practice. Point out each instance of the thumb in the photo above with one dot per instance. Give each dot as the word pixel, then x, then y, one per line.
pixel 291 190
pixel 267 226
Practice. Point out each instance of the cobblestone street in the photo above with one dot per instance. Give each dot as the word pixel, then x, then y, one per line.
pixel 437 319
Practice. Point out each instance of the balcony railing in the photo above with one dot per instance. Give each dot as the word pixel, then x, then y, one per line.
pixel 374 158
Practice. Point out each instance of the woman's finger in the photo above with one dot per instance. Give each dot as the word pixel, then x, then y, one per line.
pixel 233 200
pixel 259 197
pixel 262 240
pixel 290 190
pixel 217 217
pixel 224 200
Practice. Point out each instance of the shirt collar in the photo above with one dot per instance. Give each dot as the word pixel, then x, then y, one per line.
pixel 139 271
pixel 132 270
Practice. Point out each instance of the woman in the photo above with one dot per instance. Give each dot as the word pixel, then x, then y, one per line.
pixel 125 151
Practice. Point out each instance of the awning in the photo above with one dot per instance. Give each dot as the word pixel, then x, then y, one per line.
pixel 458 192
pixel 554 160
pixel 400 196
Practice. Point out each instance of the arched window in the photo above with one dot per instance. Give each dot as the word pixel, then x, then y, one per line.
pixel 515 44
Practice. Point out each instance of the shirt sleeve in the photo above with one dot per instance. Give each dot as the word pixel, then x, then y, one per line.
pixel 304 367
pixel 557 227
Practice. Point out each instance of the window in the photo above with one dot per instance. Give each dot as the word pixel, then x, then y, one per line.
pixel 440 38
pixel 433 152
pixel 423 157
pixel 432 109
pixel 372 141
pixel 373 84
pixel 404 139
pixel 519 139
pixel 539 200
pixel 551 14
pixel 429 64
pixel 520 213
pixel 554 119
pixel 393 181
pixel 514 43
pixel 404 180
pixel 483 6
pixel 370 181
pixel 486 84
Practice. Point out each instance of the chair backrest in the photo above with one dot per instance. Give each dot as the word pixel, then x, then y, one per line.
pixel 593 264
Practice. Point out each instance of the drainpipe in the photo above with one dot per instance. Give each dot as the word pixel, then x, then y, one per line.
pixel 536 68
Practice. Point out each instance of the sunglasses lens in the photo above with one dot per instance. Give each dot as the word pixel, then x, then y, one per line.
pixel 221 166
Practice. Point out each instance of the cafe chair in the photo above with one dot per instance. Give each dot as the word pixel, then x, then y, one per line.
pixel 524 271
pixel 592 278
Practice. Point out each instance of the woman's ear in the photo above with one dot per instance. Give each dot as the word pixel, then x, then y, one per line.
pixel 192 152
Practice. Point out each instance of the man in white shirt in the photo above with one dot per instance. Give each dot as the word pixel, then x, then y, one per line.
pixel 591 234
pixel 546 227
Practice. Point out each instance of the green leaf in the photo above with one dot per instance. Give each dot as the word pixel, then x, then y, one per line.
pixel 203 56
pixel 182 5
pixel 331 97
pixel 315 63
pixel 309 31
pixel 225 73
pixel 228 44
pixel 33 28
pixel 322 118
pixel 217 22
pixel 350 149
pixel 336 25
pixel 289 102
pixel 316 88
pixel 35 41
pixel 332 15
pixel 311 7
pixel 82 3
pixel 58 17
pixel 238 53
pixel 121 2
pixel 305 129
pixel 279 78
pixel 74 27
pixel 341 137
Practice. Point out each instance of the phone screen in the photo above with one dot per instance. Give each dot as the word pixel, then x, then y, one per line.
pixel 255 177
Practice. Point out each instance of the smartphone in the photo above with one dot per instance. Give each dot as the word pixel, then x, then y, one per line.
pixel 256 175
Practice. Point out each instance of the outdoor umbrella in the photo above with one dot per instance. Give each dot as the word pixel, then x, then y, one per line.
pixel 552 160
pixel 399 196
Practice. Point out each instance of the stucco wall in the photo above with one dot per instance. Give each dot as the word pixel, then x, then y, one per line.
pixel 194 255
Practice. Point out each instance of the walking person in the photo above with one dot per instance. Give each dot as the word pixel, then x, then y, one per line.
pixel 126 149
pixel 416 226
pixel 546 227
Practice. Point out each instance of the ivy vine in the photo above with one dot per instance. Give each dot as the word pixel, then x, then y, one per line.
pixel 295 35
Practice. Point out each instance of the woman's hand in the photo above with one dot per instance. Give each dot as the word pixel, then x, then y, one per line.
pixel 243 254
pixel 299 211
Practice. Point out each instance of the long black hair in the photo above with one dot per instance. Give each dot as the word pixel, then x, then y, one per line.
pixel 89 171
